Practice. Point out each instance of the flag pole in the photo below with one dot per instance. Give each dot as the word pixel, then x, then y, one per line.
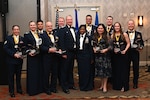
pixel 57 16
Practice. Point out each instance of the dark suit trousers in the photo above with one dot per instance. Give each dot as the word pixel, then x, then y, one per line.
pixel 134 58
pixel 54 72
pixel 50 71
pixel 12 70
pixel 67 79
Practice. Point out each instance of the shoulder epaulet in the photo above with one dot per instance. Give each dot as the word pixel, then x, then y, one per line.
pixel 5 42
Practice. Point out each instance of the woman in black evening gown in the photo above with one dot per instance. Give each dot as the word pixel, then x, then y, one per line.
pixel 120 69
pixel 32 42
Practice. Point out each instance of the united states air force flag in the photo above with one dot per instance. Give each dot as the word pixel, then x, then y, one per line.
pixel 96 19
pixel 76 20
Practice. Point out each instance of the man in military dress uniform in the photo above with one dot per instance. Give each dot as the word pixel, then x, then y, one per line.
pixel 137 45
pixel 61 24
pixel 50 59
pixel 68 43
pixel 109 25
pixel 91 30
pixel 89 27
pixel 40 27
pixel 13 46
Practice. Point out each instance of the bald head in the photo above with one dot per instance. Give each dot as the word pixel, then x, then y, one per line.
pixel 131 25
pixel 49 26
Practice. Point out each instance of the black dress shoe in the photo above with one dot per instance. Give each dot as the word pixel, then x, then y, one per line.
pixel 135 86
pixel 66 91
pixel 73 88
pixel 54 91
pixel 48 92
pixel 12 94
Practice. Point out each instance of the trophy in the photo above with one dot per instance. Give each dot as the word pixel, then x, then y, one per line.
pixel 95 45
pixel 55 46
pixel 117 47
pixel 20 49
pixel 137 43
pixel 34 49
pixel 99 45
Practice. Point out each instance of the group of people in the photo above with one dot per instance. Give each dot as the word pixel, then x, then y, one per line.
pixel 101 51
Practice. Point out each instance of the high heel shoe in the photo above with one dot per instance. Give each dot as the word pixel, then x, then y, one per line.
pixel 122 90
pixel 105 91
pixel 100 89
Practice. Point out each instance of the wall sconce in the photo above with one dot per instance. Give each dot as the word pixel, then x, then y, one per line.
pixel 140 20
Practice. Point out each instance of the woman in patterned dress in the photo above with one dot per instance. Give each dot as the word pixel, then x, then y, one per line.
pixel 102 56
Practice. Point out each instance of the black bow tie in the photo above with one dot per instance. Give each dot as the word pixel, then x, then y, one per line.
pixel 89 25
pixel 131 31
pixel 81 36
pixel 71 27
pixel 50 33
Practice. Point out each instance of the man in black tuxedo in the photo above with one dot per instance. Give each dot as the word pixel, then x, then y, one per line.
pixel 137 45
pixel 50 58
pixel 67 43
pixel 109 26
pixel 13 47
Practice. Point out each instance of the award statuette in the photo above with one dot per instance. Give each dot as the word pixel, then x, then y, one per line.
pixel 117 44
pixel 137 43
pixel 99 45
pixel 117 47
pixel 55 46
pixel 19 49
pixel 95 45
pixel 34 49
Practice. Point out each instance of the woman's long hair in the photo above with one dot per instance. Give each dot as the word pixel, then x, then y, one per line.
pixel 104 34
pixel 121 32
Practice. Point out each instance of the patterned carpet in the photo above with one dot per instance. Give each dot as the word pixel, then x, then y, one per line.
pixel 142 93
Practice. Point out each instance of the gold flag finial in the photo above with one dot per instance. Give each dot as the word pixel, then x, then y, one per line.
pixel 75 6
pixel 57 8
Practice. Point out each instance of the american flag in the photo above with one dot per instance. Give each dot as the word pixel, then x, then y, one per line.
pixel 57 16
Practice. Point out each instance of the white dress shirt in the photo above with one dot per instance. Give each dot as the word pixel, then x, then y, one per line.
pixel 81 41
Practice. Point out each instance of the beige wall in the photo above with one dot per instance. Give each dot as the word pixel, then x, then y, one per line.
pixel 121 10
